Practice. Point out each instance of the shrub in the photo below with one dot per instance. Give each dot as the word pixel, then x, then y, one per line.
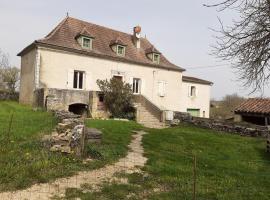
pixel 118 97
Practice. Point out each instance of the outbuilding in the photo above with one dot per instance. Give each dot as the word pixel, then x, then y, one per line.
pixel 254 110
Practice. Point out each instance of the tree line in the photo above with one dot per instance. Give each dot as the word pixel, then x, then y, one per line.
pixel 9 75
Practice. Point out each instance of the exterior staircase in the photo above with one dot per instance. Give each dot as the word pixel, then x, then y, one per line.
pixel 148 114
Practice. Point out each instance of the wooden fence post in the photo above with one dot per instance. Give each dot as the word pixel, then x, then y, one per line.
pixel 9 127
pixel 194 176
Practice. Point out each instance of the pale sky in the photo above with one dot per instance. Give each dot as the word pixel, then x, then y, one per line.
pixel 179 29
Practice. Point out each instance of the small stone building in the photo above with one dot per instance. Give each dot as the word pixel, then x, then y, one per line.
pixel 254 110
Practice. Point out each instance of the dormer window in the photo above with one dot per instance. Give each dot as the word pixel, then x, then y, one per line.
pixel 118 46
pixel 85 39
pixel 86 42
pixel 156 58
pixel 153 54
pixel 120 50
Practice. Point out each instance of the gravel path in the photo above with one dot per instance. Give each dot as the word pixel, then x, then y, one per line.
pixel 45 191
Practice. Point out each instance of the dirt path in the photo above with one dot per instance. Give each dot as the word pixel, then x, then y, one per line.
pixel 128 164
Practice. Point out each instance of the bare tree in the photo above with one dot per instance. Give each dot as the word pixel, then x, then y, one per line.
pixel 9 76
pixel 246 43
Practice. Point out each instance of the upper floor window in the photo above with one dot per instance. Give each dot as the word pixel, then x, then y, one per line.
pixel 120 50
pixel 192 91
pixel 86 43
pixel 156 58
pixel 136 85
pixel 78 80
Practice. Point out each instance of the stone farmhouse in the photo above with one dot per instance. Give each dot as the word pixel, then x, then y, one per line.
pixel 60 72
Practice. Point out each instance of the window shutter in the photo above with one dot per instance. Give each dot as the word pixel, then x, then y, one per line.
pixel 142 86
pixel 131 81
pixel 70 78
pixel 189 91
pixel 87 81
pixel 161 88
pixel 196 91
pixel 165 87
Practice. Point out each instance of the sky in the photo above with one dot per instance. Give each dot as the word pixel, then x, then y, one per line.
pixel 181 30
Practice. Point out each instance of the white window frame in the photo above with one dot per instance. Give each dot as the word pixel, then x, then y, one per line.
pixel 124 50
pixel 158 56
pixel 78 80
pixel 139 85
pixel 90 42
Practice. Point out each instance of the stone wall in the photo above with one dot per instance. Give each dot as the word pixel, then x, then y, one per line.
pixel 243 129
pixel 58 99
pixel 70 135
pixel 5 95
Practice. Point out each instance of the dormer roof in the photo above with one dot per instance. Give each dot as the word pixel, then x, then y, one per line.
pixel 117 41
pixel 152 49
pixel 84 32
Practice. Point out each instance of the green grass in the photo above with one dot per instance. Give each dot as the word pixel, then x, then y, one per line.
pixel 24 161
pixel 228 167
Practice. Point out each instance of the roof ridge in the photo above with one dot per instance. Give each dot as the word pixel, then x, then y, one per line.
pixel 100 26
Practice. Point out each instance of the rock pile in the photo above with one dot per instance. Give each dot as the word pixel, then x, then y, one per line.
pixel 70 134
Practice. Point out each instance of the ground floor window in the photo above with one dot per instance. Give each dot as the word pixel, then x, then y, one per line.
pixel 194 112
pixel 136 84
pixel 78 80
pixel 118 77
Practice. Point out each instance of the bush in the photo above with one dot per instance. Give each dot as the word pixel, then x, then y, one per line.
pixel 118 97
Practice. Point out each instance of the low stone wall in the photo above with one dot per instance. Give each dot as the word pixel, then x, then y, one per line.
pixel 242 129
pixel 70 134
pixel 5 95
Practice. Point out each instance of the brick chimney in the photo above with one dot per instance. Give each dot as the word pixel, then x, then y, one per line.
pixel 137 36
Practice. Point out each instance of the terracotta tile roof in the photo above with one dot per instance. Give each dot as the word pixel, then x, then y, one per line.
pixel 63 37
pixel 254 105
pixel 196 80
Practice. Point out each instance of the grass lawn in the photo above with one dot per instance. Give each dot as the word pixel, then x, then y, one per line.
pixel 23 160
pixel 228 167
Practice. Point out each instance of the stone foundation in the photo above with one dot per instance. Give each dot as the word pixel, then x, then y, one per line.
pixel 61 99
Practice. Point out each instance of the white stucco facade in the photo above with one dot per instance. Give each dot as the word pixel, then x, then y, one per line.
pixel 50 68
pixel 57 67
pixel 200 101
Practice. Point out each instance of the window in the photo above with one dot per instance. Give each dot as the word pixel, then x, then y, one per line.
pixel 136 85
pixel 78 80
pixel 192 91
pixel 156 58
pixel 161 88
pixel 120 50
pixel 120 78
pixel 86 43
pixel 101 98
